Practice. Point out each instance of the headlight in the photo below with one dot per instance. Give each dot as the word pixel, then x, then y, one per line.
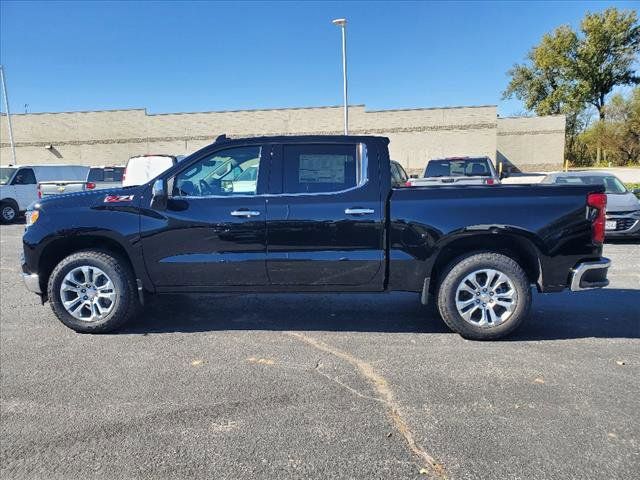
pixel 32 217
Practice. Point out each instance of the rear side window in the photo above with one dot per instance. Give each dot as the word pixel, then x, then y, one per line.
pixel 113 174
pixel 320 168
pixel 25 176
pixel 96 175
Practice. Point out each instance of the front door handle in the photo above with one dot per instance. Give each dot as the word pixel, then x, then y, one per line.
pixel 245 213
pixel 359 211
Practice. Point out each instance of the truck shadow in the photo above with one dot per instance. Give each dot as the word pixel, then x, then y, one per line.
pixel 607 313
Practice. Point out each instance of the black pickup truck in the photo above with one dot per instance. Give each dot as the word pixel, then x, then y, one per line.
pixel 312 214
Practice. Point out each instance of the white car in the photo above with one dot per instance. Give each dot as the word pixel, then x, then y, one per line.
pixel 142 168
pixel 457 171
pixel 19 184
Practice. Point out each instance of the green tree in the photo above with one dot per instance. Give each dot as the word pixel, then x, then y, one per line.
pixel 619 134
pixel 569 71
pixel 605 56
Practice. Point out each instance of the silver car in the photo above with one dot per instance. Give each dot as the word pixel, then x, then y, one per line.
pixel 623 207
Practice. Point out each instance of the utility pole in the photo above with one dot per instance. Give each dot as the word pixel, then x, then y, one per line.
pixel 342 23
pixel 6 104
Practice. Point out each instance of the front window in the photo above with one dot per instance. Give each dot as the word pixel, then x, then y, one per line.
pixel 5 175
pixel 228 172
pixel 25 176
pixel 472 167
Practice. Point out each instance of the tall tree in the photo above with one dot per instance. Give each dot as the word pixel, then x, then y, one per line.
pixel 569 71
pixel 605 56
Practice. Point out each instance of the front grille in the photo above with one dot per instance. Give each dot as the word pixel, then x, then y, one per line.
pixel 624 223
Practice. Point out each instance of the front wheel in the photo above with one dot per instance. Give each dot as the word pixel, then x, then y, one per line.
pixel 93 291
pixel 8 212
pixel 484 296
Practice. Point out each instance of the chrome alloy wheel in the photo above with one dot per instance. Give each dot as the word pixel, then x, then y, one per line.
pixel 486 298
pixel 87 293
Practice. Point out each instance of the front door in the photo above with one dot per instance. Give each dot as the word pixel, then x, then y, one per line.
pixel 213 231
pixel 326 228
pixel 26 187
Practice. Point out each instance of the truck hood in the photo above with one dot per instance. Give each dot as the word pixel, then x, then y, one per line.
pixel 91 198
pixel 622 202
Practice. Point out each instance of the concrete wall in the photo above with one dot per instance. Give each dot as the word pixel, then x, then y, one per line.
pixel 534 144
pixel 111 137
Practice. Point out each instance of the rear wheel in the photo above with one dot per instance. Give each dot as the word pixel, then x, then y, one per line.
pixel 93 292
pixel 484 296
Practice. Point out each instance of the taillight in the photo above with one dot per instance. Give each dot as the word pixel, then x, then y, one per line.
pixel 598 202
pixel 91 185
pixel 489 181
pixel 39 191
pixel 124 175
pixel 407 183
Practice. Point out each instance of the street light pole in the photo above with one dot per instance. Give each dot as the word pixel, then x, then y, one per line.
pixel 6 104
pixel 342 23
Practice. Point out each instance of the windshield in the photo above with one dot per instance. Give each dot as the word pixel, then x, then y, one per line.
pixel 611 184
pixel 5 174
pixel 472 167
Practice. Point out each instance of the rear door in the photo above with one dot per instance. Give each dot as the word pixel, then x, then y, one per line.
pixel 210 235
pixel 325 221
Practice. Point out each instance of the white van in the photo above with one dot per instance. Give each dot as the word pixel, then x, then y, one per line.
pixel 142 168
pixel 19 184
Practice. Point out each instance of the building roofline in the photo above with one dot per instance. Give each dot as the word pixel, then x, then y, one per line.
pixel 432 108
pixel 521 117
pixel 360 105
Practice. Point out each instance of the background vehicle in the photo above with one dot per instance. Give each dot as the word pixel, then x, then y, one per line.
pixel 458 171
pixel 46 189
pixel 322 216
pixel 623 207
pixel 399 177
pixel 19 185
pixel 142 168
pixel 106 177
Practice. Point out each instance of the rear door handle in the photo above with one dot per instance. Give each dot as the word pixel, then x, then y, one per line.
pixel 245 213
pixel 359 211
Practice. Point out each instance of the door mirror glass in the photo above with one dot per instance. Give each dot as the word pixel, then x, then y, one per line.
pixel 159 195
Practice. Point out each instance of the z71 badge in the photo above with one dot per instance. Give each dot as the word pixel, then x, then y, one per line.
pixel 118 198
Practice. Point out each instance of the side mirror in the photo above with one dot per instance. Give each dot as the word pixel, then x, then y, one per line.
pixel 636 191
pixel 159 195
pixel 504 174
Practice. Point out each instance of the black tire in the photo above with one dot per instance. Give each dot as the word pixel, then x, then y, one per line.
pixel 453 277
pixel 8 211
pixel 126 300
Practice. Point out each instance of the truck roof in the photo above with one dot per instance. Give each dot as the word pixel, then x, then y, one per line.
pixel 302 139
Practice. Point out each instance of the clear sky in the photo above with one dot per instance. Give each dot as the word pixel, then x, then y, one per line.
pixel 199 56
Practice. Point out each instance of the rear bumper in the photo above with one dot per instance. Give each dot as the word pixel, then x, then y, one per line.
pixel 588 275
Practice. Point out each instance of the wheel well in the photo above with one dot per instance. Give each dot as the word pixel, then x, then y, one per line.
pixel 10 201
pixel 60 249
pixel 518 248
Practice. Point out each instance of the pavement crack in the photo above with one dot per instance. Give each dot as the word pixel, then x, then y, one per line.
pixel 384 395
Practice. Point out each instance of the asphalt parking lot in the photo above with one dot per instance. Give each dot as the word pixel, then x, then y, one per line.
pixel 322 386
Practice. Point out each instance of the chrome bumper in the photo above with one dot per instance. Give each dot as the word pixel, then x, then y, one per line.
pixel 588 275
pixel 32 282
